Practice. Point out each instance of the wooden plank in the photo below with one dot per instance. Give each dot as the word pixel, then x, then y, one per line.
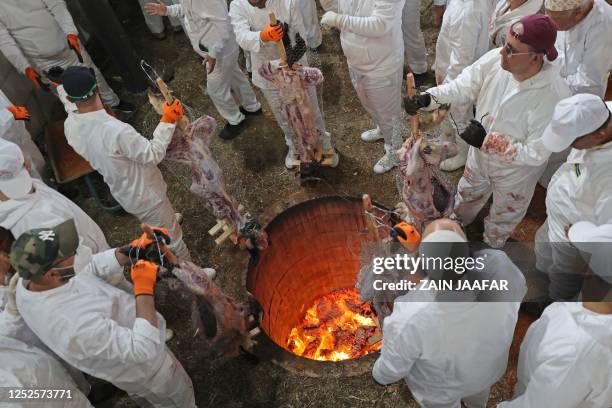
pixel 279 44
pixel 67 165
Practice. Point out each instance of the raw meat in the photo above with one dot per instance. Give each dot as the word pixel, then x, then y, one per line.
pixel 219 319
pixel 192 147
pixel 292 84
pixel 425 191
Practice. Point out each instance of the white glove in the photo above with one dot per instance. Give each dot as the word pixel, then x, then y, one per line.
pixel 11 304
pixel 332 19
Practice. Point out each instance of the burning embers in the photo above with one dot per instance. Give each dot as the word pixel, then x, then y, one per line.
pixel 337 327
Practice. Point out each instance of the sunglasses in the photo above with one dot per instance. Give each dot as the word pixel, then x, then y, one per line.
pixel 510 51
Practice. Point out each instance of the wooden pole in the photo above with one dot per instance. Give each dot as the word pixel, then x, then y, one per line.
pixel 411 90
pixel 184 122
pixel 367 207
pixel 279 44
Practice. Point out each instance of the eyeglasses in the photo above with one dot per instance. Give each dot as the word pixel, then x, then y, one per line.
pixel 510 51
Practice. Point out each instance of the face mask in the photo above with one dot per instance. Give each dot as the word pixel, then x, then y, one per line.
pixel 65 272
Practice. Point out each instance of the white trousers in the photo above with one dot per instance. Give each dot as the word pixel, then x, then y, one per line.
pixel 163 216
pixel 68 59
pixel 273 98
pixel 156 23
pixel 226 78
pixel 381 98
pixel 511 186
pixel 415 52
pixel 170 387
pixel 314 37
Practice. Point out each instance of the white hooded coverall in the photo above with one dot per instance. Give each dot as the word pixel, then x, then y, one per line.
pixel 92 325
pixel 16 132
pixel 581 190
pixel 463 38
pixel 208 25
pixel 33 33
pixel 26 364
pixel 248 21
pixel 373 44
pixel 585 51
pixel 585 61
pixel 503 18
pixel 565 360
pixel 518 110
pixel 414 42
pixel 128 162
pixel 451 351
pixel 46 207
pixel 156 23
pixel 314 36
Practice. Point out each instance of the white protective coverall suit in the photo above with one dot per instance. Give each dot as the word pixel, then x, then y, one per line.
pixel 585 61
pixel 314 36
pixel 503 18
pixel 518 110
pixel 462 40
pixel 128 162
pixel 414 42
pixel 156 23
pixel 248 21
pixel 92 325
pixel 26 363
pixel 455 350
pixel 45 207
pixel 565 360
pixel 16 132
pixel 373 45
pixel 33 33
pixel 581 190
pixel 208 26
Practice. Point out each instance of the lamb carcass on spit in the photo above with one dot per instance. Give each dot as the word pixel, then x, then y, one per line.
pixel 191 147
pixel 425 191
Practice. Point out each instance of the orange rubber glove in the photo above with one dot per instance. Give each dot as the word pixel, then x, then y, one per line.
pixel 144 276
pixel 73 43
pixel 34 77
pixel 407 235
pixel 172 113
pixel 144 241
pixel 271 33
pixel 19 112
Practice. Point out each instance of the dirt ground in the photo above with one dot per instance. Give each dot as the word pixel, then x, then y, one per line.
pixel 255 175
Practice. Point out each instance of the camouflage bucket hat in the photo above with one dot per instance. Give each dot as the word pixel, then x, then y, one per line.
pixel 37 250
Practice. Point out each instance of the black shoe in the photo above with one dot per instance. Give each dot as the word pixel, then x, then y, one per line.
pixel 420 79
pixel 247 113
pixel 231 131
pixel 125 107
pixel 101 391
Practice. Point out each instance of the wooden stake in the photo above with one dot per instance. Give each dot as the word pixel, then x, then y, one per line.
pixel 279 44
pixel 367 207
pixel 411 90
pixel 183 123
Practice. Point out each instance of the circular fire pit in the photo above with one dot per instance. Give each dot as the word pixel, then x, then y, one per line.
pixel 315 248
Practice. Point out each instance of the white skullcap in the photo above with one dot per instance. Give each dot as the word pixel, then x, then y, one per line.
pixel 596 241
pixel 562 5
pixel 15 181
pixel 574 117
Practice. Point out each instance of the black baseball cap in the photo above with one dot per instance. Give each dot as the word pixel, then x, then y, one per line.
pixel 79 82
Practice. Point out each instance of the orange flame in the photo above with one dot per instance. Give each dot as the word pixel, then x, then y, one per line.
pixel 337 327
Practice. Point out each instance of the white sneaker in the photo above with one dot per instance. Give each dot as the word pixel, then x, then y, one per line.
pixel 335 160
pixel 290 158
pixel 386 163
pixel 169 335
pixel 179 218
pixel 210 272
pixel 371 135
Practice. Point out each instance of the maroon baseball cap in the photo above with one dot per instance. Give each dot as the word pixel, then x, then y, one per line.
pixel 538 31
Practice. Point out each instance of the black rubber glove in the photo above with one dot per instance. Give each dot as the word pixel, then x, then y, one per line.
pixel 474 134
pixel 412 105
